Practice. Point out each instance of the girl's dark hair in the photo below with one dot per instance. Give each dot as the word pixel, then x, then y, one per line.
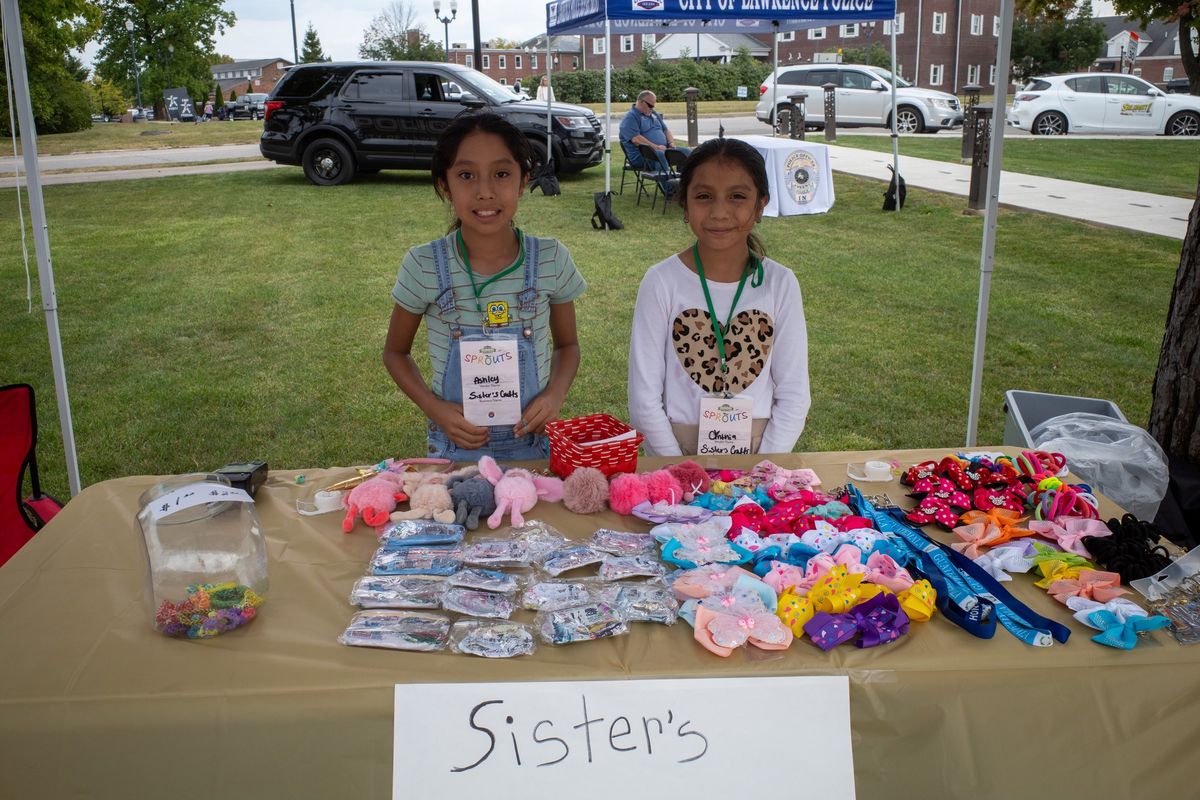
pixel 739 152
pixel 446 149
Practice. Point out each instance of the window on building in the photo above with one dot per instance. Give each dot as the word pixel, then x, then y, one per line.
pixel 533 61
pixel 471 62
pixel 627 43
pixel 517 62
pixel 1168 73
pixel 648 40
pixel 487 61
pixel 972 73
pixel 504 81
pixel 848 31
pixel 977 24
pixel 574 62
pixel 503 62
pixel 935 74
pixel 992 75
pixel 788 36
pixel 939 22
pixel 816 33
pixel 598 45
pixel 995 26
pixel 899 22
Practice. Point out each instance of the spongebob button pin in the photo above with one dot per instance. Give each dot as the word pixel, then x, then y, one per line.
pixel 497 312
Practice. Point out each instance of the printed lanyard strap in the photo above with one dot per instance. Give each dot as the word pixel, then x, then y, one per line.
pixel 752 265
pixel 479 290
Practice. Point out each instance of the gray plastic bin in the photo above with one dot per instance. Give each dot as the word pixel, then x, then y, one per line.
pixel 1027 410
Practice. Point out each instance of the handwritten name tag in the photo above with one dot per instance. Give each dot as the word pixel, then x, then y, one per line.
pixel 491 382
pixel 725 425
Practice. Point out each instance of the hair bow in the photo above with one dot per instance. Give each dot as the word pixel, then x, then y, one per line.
pixel 1012 557
pixel 733 621
pixel 878 620
pixel 794 611
pixel 1054 570
pixel 1102 586
pixel 832 510
pixel 883 570
pixel 706 580
pixel 987 529
pixel 1123 634
pixel 783 576
pixel 1045 553
pixel 1068 532
pixel 919 601
pixel 837 591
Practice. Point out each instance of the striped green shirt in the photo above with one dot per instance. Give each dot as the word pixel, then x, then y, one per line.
pixel 416 291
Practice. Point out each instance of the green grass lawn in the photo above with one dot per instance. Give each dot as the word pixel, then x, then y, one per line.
pixel 217 318
pixel 1157 165
pixel 150 136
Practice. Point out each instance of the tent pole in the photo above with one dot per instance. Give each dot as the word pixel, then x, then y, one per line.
pixel 895 135
pixel 991 211
pixel 607 107
pixel 549 92
pixel 41 236
pixel 775 80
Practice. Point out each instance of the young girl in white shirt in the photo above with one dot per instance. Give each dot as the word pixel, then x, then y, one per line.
pixel 719 319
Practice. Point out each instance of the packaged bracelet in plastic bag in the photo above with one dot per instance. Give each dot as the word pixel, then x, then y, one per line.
pixel 552 595
pixel 497 553
pixel 417 561
pixel 492 639
pixel 398 630
pixel 413 532
pixel 490 580
pixel 540 538
pixel 583 623
pixel 622 543
pixel 642 602
pixel 614 568
pixel 398 591
pixel 557 562
pixel 477 603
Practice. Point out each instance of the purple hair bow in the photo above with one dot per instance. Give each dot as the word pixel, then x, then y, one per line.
pixel 880 620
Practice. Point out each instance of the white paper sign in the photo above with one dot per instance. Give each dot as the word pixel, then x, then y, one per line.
pixel 491 382
pixel 194 494
pixel 725 425
pixel 599 740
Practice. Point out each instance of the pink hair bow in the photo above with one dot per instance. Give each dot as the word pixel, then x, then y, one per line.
pixel 707 580
pixel 851 558
pixel 783 576
pixel 882 569
pixel 1068 532
pixel 1093 584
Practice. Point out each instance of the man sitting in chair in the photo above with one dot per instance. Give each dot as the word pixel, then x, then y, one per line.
pixel 643 125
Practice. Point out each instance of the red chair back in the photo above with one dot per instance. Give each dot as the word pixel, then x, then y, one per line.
pixel 18 439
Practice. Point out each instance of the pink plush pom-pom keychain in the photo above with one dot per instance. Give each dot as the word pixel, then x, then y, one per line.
pixel 626 491
pixel 374 498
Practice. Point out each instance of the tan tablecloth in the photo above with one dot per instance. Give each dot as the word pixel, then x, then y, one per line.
pixel 94 703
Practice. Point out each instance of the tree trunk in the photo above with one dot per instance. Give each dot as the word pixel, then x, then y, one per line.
pixel 1175 410
pixel 1191 61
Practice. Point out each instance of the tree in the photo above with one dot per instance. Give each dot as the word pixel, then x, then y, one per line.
pixel 500 43
pixel 1175 409
pixel 105 98
pixel 190 26
pixel 51 30
pixel 311 51
pixel 1046 43
pixel 1186 16
pixel 395 35
pixel 876 56
pixel 219 101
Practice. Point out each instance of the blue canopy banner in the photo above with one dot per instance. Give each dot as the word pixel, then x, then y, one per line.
pixel 708 16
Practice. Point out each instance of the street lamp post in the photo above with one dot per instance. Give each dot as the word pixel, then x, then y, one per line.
pixel 437 13
pixel 137 77
pixel 170 55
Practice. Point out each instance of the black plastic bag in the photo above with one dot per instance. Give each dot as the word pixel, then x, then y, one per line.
pixel 889 197
pixel 545 179
pixel 604 218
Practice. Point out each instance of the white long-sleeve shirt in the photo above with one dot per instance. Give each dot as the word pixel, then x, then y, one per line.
pixel 673 355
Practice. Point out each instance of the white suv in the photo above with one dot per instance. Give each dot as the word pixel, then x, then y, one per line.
pixel 863 97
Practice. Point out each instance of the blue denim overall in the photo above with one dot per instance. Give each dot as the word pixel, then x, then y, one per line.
pixel 502 444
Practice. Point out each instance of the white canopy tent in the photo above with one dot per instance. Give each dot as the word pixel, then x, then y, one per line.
pixel 606 17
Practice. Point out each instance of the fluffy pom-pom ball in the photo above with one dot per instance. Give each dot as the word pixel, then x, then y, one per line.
pixel 585 491
pixel 692 477
pixel 626 491
pixel 663 487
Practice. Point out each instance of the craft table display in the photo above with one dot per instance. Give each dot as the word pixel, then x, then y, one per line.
pixel 95 703
pixel 798 175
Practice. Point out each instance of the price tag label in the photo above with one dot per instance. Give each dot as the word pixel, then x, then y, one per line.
pixel 491 382
pixel 725 425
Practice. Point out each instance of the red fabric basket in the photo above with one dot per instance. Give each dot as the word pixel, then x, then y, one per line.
pixel 567 453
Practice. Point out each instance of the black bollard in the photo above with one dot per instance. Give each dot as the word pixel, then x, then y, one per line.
pixel 798 114
pixel 830 112
pixel 691 94
pixel 970 101
pixel 977 197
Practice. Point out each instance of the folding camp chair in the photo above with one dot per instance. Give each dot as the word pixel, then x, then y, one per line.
pixel 627 168
pixel 20 517
pixel 670 185
pixel 650 171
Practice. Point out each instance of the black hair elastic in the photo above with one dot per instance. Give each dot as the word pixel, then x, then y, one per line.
pixel 1132 550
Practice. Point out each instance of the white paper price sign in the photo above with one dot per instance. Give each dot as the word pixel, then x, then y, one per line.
pixel 596 740
pixel 491 382
pixel 725 425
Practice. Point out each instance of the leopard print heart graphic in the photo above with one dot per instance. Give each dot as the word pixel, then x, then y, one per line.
pixel 748 342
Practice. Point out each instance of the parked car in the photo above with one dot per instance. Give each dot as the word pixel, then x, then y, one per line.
pixel 1100 102
pixel 863 97
pixel 252 105
pixel 1179 85
pixel 337 120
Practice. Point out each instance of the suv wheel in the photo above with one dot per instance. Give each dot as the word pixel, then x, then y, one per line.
pixel 908 120
pixel 327 162
pixel 537 153
pixel 1185 123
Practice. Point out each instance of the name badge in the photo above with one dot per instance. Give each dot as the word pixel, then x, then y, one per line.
pixel 725 425
pixel 497 312
pixel 491 382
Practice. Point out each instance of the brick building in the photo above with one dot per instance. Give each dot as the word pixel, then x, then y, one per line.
pixel 509 65
pixel 264 73
pixel 1152 55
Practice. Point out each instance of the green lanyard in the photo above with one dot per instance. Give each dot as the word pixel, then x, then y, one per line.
pixel 752 265
pixel 478 290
